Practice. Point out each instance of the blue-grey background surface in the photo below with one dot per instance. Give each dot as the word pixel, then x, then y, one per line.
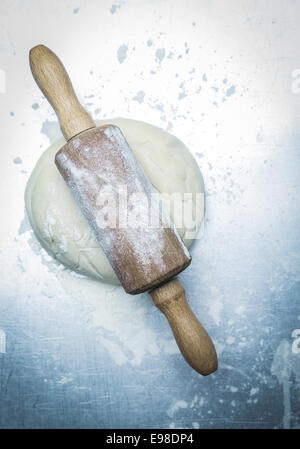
pixel 223 77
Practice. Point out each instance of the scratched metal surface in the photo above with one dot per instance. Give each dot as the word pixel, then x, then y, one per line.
pixel 222 76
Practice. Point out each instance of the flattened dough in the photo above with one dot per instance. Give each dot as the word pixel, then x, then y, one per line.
pixel 61 228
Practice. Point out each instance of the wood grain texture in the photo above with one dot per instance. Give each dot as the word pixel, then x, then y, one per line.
pixel 192 339
pixel 54 82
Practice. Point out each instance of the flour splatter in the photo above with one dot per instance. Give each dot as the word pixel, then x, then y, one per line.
pixel 175 407
pixel 139 97
pixel 230 91
pixel 114 8
pixel 160 54
pixel 52 130
pixel 122 53
pixel 215 309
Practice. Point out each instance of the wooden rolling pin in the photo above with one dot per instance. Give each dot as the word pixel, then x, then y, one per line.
pixel 101 171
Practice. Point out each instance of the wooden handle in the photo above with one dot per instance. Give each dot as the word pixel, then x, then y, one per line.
pixel 192 339
pixel 54 82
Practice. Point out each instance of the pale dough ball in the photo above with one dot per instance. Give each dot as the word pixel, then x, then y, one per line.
pixel 59 224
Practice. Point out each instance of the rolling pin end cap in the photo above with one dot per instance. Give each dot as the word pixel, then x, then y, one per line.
pixel 210 369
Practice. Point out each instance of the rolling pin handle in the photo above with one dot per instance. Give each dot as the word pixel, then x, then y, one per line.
pixel 192 339
pixel 54 82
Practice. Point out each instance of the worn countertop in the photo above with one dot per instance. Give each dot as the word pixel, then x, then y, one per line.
pixel 224 77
